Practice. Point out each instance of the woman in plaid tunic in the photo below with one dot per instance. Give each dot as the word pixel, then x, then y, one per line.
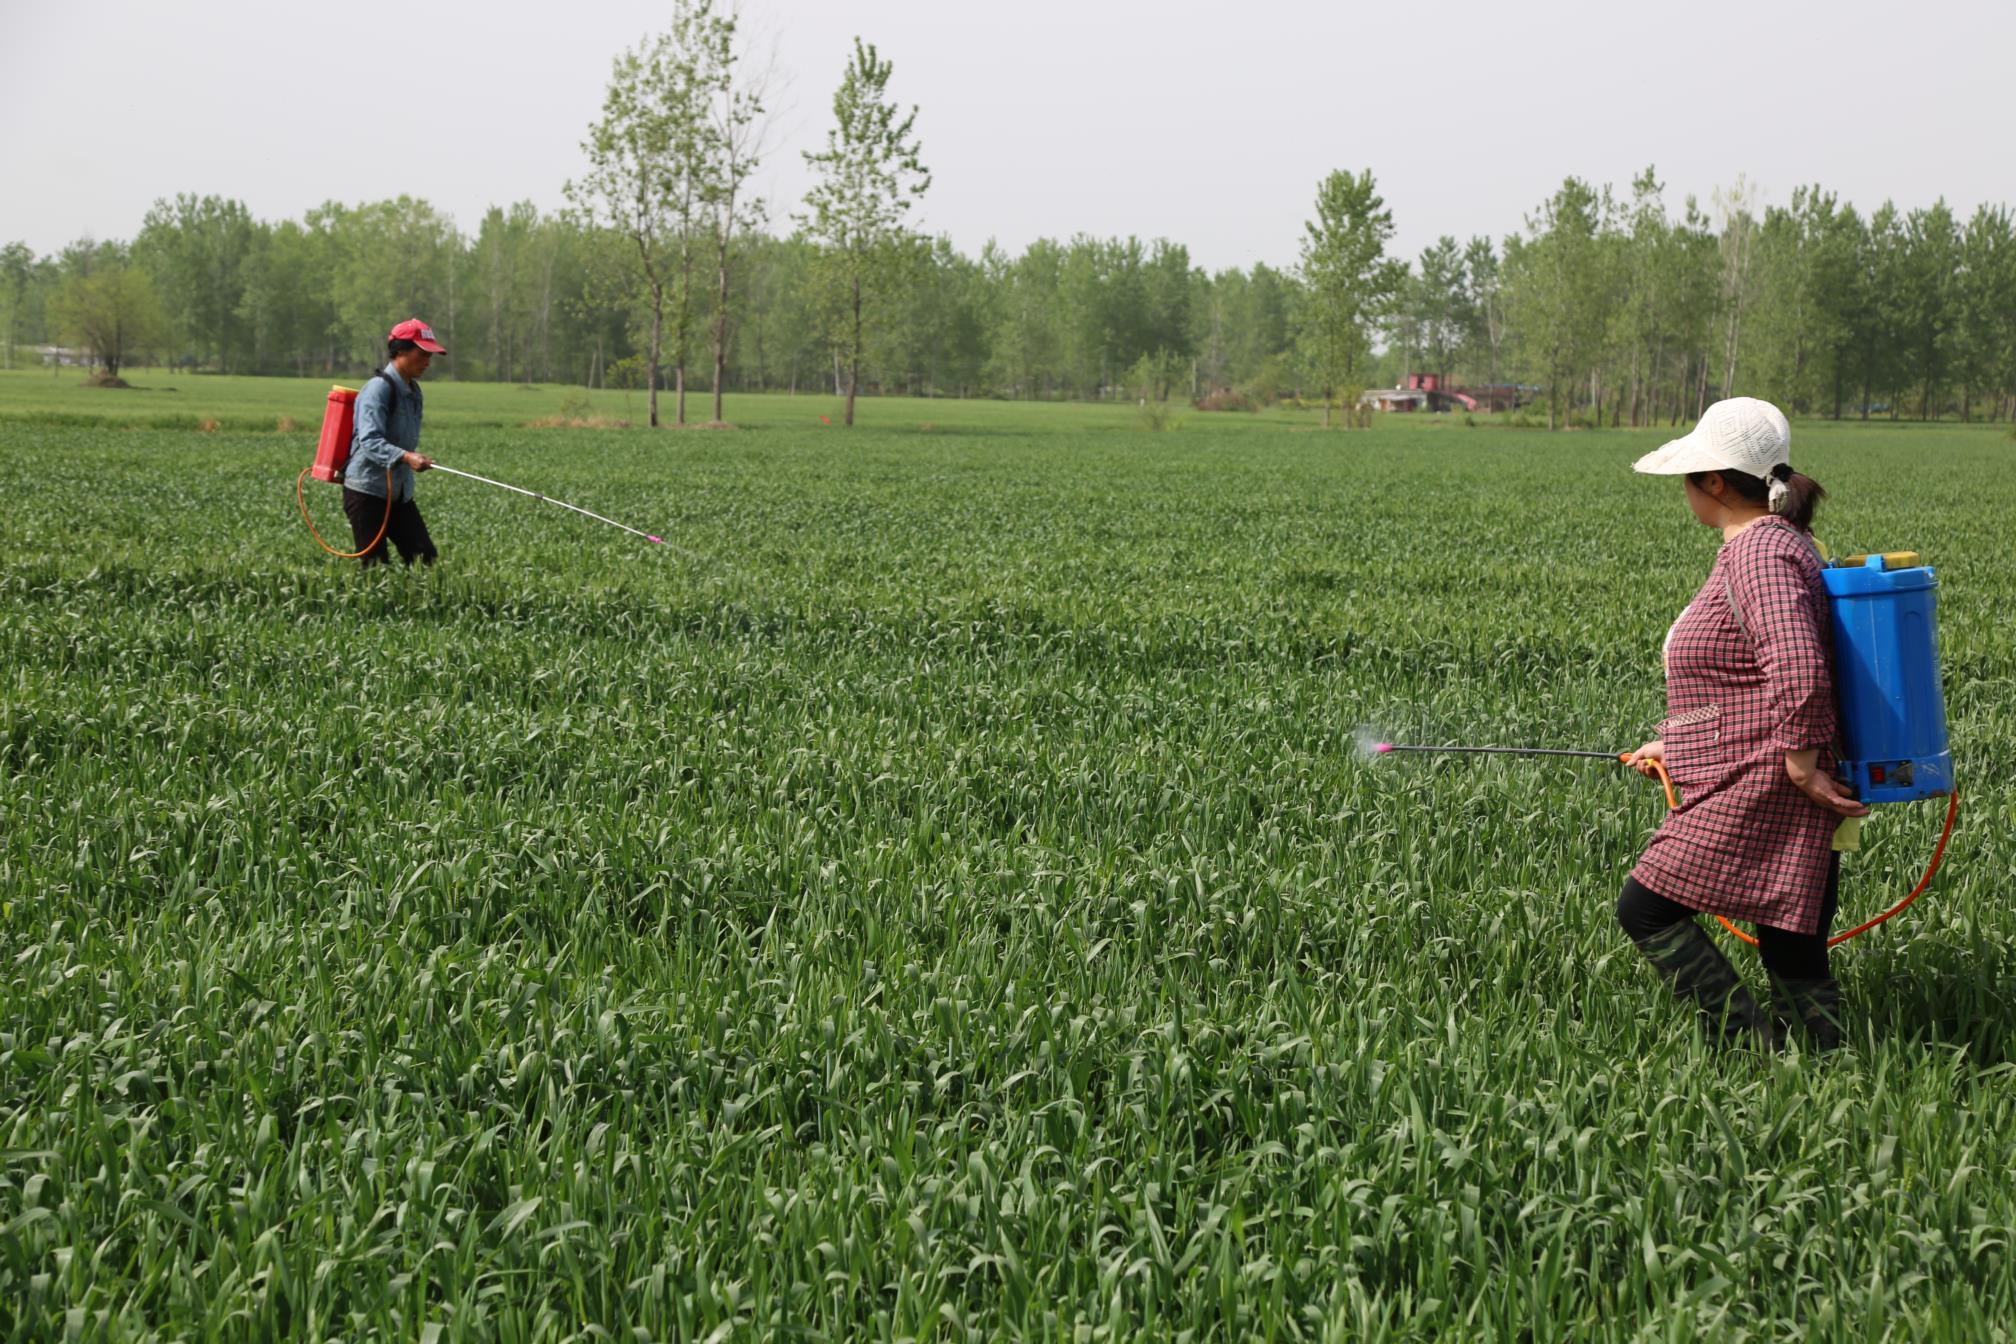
pixel 1747 740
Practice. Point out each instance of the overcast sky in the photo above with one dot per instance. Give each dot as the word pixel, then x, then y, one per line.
pixel 1208 123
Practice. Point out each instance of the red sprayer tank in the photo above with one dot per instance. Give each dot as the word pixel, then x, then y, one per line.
pixel 339 422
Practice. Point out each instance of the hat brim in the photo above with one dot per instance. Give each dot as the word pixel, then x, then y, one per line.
pixel 1690 452
pixel 431 348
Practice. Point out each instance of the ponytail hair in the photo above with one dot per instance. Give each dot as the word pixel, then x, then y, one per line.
pixel 1784 492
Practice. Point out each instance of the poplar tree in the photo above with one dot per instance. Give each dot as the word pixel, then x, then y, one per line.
pixel 1555 289
pixel 1437 310
pixel 1349 285
pixel 17 275
pixel 732 144
pixel 1985 323
pixel 641 184
pixel 196 250
pixel 870 175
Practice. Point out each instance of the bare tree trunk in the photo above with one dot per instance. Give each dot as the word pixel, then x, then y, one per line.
pixel 685 331
pixel 721 315
pixel 682 336
pixel 1735 335
pixel 657 346
pixel 451 309
pixel 546 324
pixel 1652 379
pixel 854 355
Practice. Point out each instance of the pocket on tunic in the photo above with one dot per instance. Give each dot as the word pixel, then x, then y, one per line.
pixel 1694 745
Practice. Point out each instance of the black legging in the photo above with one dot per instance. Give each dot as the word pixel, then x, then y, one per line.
pixel 1789 956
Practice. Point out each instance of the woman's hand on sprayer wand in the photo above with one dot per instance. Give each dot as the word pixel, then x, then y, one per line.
pixel 418 461
pixel 1821 787
pixel 1641 760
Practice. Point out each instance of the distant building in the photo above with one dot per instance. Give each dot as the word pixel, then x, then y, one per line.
pixel 1425 392
pixel 1393 399
pixel 1421 392
pixel 63 354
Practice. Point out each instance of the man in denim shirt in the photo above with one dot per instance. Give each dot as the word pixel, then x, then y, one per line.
pixel 388 437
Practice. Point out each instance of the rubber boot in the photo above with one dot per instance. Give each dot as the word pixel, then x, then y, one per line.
pixel 1697 971
pixel 1811 1006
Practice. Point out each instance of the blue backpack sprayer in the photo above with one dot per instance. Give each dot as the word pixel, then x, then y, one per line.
pixel 1892 719
pixel 1886 676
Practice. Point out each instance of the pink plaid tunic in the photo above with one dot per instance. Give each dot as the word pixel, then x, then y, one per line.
pixel 1740 693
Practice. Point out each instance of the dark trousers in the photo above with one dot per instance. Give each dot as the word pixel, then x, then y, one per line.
pixel 407 529
pixel 1789 956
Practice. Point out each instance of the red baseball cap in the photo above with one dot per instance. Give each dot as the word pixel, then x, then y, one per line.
pixel 418 332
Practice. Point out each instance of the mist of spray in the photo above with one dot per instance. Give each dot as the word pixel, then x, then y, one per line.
pixel 1369 743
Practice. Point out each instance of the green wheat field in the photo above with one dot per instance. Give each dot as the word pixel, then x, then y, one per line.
pixel 937 896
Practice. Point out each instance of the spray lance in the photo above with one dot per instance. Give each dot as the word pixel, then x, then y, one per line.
pixel 534 494
pixel 1389 748
pixel 1886 678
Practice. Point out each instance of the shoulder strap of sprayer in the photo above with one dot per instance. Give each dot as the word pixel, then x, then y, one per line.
pixel 1736 608
pixel 391 384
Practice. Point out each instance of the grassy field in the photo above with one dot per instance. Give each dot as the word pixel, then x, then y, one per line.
pixel 939 898
pixel 162 400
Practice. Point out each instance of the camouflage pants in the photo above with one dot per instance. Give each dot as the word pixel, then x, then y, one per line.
pixel 1688 959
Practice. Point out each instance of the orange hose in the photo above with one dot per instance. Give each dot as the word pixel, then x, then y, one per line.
pixel 1938 853
pixel 302 501
pixel 1952 812
pixel 1672 802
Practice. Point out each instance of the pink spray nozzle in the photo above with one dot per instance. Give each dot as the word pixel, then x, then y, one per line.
pixel 659 540
pixel 1382 747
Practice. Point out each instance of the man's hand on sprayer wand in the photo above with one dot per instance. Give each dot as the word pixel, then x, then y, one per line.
pixel 1641 759
pixel 418 461
pixel 1821 787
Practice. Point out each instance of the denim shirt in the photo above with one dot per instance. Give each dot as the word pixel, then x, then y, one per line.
pixel 385 433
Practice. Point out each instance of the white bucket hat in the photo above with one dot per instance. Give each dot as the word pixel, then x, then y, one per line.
pixel 1739 434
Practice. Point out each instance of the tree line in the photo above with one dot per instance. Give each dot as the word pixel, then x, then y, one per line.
pixel 665 271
